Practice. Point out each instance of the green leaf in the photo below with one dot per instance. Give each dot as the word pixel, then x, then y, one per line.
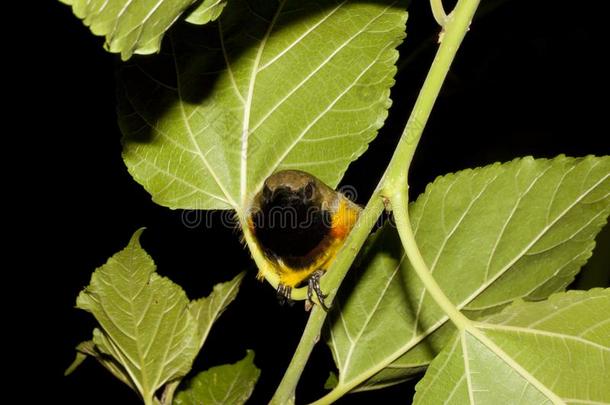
pixel 597 273
pixel 331 381
pixel 206 310
pixel 554 351
pixel 82 350
pixel 146 325
pixel 489 235
pixel 130 26
pixel 207 11
pixel 150 333
pixel 88 348
pixel 226 384
pixel 235 101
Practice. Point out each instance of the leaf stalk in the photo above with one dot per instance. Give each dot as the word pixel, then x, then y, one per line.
pixel 407 237
pixel 438 11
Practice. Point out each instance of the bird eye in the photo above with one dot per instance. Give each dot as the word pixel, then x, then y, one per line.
pixel 266 193
pixel 308 191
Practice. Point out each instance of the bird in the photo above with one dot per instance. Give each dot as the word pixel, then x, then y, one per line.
pixel 300 224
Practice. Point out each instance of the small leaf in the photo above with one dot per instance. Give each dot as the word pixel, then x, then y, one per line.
pixel 207 11
pixel 206 310
pixel 232 102
pixel 149 333
pixel 554 351
pixel 489 236
pixel 226 384
pixel 88 348
pixel 331 381
pixel 130 26
pixel 145 322
pixel 80 357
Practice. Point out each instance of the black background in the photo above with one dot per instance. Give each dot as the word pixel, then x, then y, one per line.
pixel 530 79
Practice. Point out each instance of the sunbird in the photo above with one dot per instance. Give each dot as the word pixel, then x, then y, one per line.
pixel 300 224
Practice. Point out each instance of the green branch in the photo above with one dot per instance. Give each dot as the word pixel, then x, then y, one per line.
pixel 438 11
pixel 456 26
pixel 393 185
pixel 396 185
pixel 405 231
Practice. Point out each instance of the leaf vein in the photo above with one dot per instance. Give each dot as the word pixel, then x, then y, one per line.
pixel 372 313
pixel 494 249
pixel 275 165
pixel 178 179
pixel 319 67
pixel 300 38
pixel 446 239
pixel 248 104
pixel 194 142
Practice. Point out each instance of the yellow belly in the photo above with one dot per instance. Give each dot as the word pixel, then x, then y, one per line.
pixel 342 223
pixel 294 277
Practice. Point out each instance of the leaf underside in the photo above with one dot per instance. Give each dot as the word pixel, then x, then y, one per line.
pixel 206 311
pixel 531 353
pixel 138 26
pixel 149 333
pixel 226 384
pixel 208 10
pixel 144 319
pixel 270 86
pixel 489 235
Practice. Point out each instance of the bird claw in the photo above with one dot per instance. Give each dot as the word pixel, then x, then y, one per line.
pixel 313 285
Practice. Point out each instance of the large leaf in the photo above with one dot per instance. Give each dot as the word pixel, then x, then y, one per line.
pixel 489 235
pixel 226 384
pixel 145 321
pixel 133 26
pixel 554 351
pixel 274 85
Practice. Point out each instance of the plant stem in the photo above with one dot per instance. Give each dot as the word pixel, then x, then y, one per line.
pixel 396 186
pixel 308 340
pixel 438 11
pixel 456 26
pixel 405 231
pixel 482 11
pixel 393 184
